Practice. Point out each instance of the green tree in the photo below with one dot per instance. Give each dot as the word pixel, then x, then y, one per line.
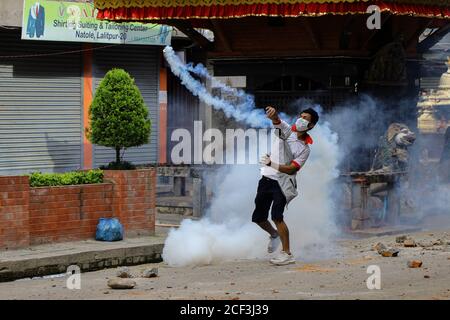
pixel 118 115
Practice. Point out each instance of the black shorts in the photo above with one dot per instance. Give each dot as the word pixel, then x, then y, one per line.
pixel 269 193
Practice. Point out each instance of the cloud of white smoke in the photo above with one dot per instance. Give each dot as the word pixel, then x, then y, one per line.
pixel 227 233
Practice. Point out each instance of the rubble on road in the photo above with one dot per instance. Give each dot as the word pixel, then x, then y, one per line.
pixel 150 273
pixel 409 243
pixel 425 244
pixel 124 272
pixel 414 264
pixel 390 252
pixel 121 283
pixel 379 247
pixel 385 251
pixel 401 239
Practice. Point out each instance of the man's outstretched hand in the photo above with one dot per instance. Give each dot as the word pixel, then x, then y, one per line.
pixel 265 160
pixel 272 114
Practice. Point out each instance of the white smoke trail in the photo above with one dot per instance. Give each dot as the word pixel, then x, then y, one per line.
pixel 245 111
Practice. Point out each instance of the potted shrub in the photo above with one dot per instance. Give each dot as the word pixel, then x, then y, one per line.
pixel 119 120
pixel 118 116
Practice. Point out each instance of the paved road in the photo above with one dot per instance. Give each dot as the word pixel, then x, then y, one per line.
pixel 343 277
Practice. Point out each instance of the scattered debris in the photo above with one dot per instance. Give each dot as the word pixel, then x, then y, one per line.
pixel 414 264
pixel 379 247
pixel 401 239
pixel 424 244
pixel 121 283
pixel 390 252
pixel 150 273
pixel 438 242
pixel 124 272
pixel 385 251
pixel 409 243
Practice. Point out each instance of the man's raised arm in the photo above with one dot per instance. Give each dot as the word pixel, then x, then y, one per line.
pixel 285 129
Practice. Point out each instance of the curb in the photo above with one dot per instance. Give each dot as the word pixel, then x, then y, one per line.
pixel 87 261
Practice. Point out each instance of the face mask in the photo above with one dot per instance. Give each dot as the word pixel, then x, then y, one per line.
pixel 300 125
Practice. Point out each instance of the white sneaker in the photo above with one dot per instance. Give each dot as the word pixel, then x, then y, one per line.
pixel 283 259
pixel 274 243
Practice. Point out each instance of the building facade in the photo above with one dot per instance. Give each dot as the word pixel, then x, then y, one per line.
pixel 46 88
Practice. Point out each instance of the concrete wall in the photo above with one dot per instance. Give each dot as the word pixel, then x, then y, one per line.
pixel 11 13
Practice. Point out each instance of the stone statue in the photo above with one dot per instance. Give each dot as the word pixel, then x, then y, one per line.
pixel 392 151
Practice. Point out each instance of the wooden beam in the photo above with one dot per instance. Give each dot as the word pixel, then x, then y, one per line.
pixel 310 31
pixel 433 39
pixel 290 54
pixel 187 29
pixel 384 18
pixel 220 35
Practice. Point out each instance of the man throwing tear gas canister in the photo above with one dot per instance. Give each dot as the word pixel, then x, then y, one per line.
pixel 278 185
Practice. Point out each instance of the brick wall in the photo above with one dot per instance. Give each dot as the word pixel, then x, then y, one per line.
pixel 14 217
pixel 134 199
pixel 68 213
pixel 31 216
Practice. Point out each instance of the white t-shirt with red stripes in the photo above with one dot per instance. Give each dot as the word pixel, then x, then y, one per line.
pixel 300 150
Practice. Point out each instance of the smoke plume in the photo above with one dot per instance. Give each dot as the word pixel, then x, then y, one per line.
pixel 226 232
pixel 245 111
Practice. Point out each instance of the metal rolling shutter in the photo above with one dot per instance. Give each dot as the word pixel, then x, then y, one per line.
pixel 40 106
pixel 142 63
pixel 183 111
